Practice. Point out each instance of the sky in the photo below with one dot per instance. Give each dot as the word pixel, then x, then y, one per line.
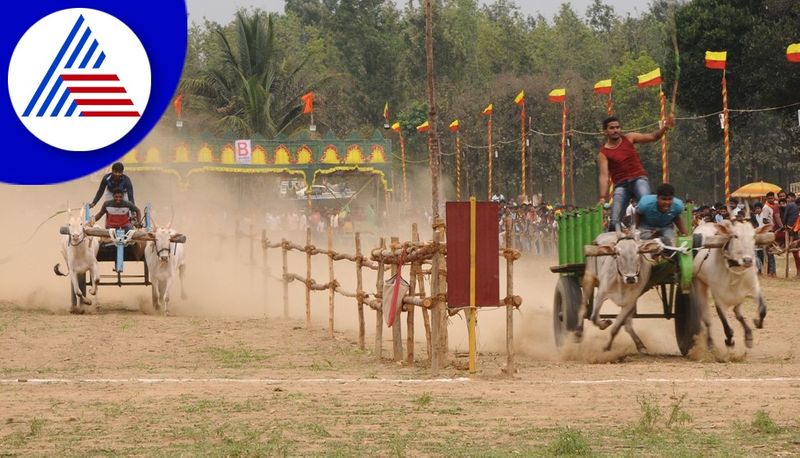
pixel 222 10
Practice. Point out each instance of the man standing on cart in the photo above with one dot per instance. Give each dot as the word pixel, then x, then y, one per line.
pixel 114 180
pixel 619 160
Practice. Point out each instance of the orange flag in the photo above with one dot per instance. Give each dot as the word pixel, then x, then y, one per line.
pixel 488 110
pixel 454 126
pixel 308 102
pixel 178 104
pixel 424 127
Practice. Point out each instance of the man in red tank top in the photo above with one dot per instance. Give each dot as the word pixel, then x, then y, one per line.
pixel 619 161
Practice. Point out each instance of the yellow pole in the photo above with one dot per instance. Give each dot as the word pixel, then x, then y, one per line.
pixel 473 311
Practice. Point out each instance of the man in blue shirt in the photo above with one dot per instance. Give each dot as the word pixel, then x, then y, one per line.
pixel 661 212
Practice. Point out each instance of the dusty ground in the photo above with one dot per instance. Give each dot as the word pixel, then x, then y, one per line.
pixel 121 382
pixel 224 375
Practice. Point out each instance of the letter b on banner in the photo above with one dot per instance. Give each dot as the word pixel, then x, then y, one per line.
pixel 244 153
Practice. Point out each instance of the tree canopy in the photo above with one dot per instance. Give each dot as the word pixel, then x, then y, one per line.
pixel 246 77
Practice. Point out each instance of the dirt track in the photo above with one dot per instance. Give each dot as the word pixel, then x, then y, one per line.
pixel 118 381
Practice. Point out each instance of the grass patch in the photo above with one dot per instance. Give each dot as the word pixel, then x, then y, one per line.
pixel 569 442
pixel 316 430
pixel 423 400
pixel 324 365
pixel 36 426
pixel 678 416
pixel 238 357
pixel 763 423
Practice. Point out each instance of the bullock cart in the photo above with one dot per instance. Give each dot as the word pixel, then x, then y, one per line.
pixel 670 278
pixel 117 247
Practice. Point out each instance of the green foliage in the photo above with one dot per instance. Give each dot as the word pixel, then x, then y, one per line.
pixel 569 442
pixel 764 424
pixel 650 413
pixel 237 357
pixel 423 400
pixel 246 77
pixel 678 416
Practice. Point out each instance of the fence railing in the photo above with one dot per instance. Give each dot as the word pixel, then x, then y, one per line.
pixel 427 262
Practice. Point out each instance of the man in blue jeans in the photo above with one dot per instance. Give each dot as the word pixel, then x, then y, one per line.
pixel 619 160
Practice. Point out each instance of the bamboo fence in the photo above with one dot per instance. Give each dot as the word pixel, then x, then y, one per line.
pixel 423 258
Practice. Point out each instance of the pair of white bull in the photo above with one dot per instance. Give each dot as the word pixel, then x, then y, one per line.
pixel 622 267
pixel 165 260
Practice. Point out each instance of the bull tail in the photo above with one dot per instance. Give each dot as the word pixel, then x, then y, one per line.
pixel 57 270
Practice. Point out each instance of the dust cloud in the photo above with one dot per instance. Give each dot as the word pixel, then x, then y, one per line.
pixel 225 274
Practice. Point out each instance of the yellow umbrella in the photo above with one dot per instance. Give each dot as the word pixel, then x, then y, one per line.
pixel 756 189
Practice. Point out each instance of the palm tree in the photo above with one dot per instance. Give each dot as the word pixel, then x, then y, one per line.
pixel 248 91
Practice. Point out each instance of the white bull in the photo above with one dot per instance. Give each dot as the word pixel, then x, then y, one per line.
pixel 619 271
pixel 165 258
pixel 80 254
pixel 729 274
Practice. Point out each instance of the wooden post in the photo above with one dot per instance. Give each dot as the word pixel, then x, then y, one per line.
pixel 426 318
pixel 265 256
pixel 510 306
pixel 412 284
pixel 284 255
pixel 308 277
pixel 379 312
pixel 437 308
pixel 331 285
pixel 397 325
pixel 360 293
pixel 444 344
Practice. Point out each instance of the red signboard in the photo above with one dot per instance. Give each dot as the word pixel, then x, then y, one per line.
pixel 487 262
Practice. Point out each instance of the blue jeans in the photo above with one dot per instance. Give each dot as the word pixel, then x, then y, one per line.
pixel 623 191
pixel 667 233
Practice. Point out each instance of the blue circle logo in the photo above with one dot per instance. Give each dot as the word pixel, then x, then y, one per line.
pixel 86 84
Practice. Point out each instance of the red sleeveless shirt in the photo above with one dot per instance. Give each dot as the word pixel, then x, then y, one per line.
pixel 623 161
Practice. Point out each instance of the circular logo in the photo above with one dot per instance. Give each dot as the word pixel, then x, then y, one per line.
pixel 87 82
pixel 79 79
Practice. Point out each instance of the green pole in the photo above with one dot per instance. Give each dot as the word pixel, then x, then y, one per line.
pixel 687 217
pixel 575 230
pixel 562 240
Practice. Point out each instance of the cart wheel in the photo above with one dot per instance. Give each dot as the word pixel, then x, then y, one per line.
pixel 688 321
pixel 82 284
pixel 566 305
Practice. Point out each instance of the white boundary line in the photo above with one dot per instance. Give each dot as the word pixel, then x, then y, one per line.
pixel 340 381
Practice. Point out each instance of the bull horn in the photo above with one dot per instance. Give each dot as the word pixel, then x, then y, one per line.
pixel 765 238
pixel 746 210
pixel 618 230
pixel 730 210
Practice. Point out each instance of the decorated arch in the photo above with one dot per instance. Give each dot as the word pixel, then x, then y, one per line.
pixel 304 158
